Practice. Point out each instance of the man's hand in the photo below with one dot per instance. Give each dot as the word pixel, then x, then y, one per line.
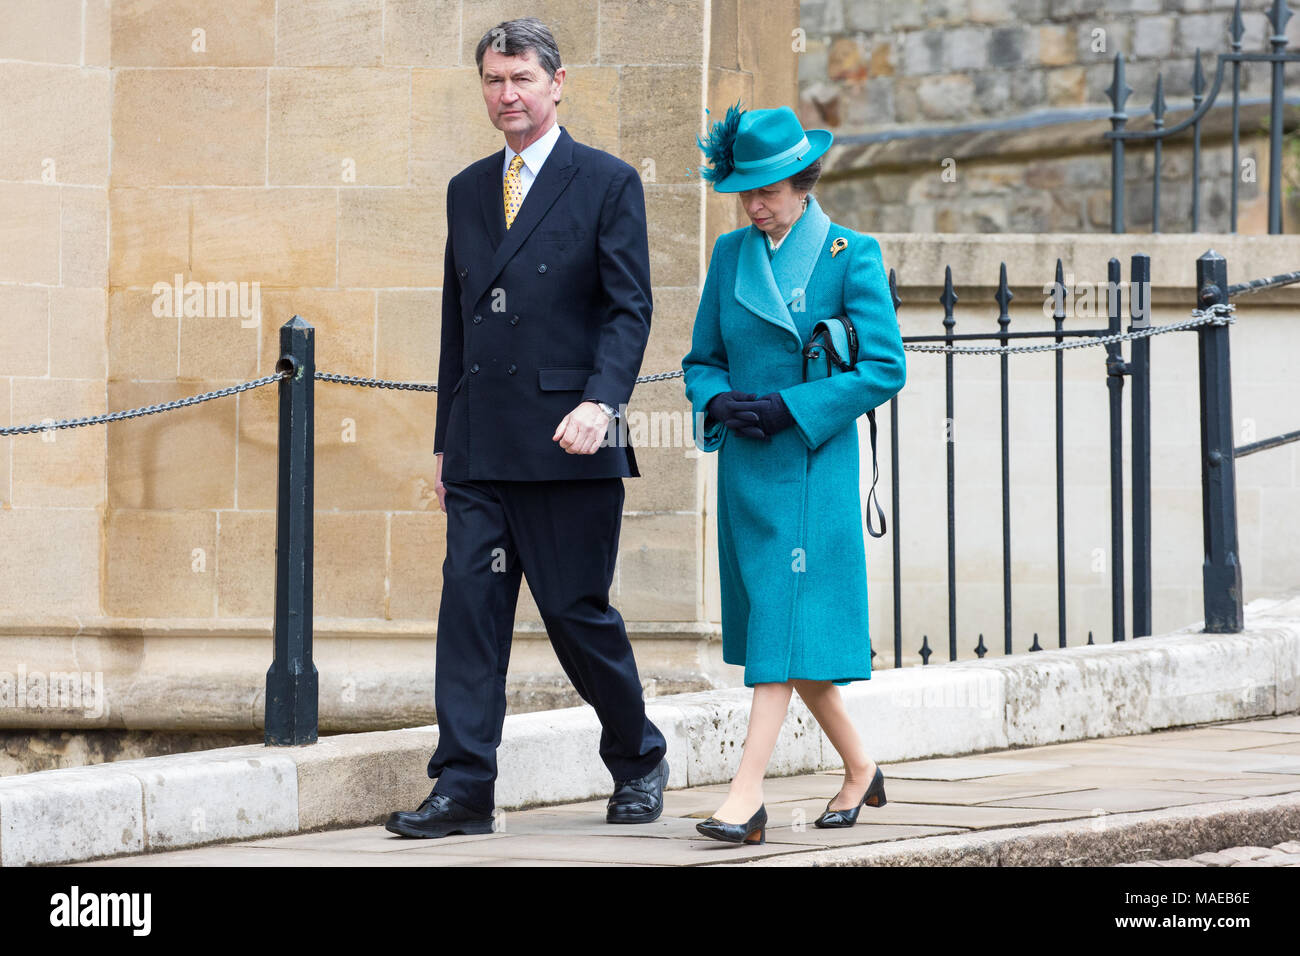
pixel 582 430
pixel 439 488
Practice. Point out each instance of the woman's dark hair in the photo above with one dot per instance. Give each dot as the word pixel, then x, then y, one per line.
pixel 806 179
pixel 516 37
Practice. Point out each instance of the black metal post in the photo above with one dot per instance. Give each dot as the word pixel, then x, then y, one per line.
pixel 1221 572
pixel 1277 18
pixel 1118 92
pixel 1236 29
pixel 948 298
pixel 1058 323
pixel 1115 371
pixel 291 683
pixel 1003 298
pixel 1140 410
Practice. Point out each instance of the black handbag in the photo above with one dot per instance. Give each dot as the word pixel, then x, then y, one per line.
pixel 835 341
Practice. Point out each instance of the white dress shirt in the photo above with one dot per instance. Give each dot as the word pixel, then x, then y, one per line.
pixel 534 156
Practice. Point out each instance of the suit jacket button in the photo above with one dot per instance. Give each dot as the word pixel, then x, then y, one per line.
pixel 474 368
pixel 512 369
pixel 478 319
pixel 791 346
pixel 514 320
pixel 542 268
pixel 464 272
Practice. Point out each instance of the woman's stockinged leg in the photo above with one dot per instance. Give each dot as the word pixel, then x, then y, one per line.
pixel 766 715
pixel 827 706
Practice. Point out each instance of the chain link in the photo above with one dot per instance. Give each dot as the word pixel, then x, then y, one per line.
pixel 146 410
pixel 1218 314
pixel 375 382
pixel 387 383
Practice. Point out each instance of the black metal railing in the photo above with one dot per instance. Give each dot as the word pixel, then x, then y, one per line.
pixel 291 713
pixel 1210 317
pixel 1202 102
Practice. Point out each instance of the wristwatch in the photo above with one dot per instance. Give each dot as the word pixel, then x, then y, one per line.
pixel 609 410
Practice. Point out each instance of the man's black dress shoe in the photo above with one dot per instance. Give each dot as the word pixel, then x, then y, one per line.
pixel 438 815
pixel 752 831
pixel 838 819
pixel 640 800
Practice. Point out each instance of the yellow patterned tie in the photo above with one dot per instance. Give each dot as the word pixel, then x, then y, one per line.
pixel 514 192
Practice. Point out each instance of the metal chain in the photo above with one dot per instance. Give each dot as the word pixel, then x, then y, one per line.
pixel 1218 314
pixel 374 382
pixel 1259 285
pixel 386 383
pixel 146 410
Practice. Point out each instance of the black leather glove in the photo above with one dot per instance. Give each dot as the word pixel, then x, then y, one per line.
pixel 773 415
pixel 736 410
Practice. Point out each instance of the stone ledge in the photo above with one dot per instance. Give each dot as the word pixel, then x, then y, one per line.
pixel 1171 832
pixel 551 756
pixel 201 675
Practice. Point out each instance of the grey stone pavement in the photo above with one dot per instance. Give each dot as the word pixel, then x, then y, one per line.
pixel 1023 792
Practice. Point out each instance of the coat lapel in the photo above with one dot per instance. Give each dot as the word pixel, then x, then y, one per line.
pixel 491 195
pixel 766 285
pixel 793 264
pixel 556 173
pixel 755 285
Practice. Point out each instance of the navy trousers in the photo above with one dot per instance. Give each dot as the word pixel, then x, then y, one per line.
pixel 563 535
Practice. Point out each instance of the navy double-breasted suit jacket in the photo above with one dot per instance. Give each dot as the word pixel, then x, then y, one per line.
pixel 542 316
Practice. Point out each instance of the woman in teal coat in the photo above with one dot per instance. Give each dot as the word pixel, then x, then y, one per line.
pixel 790 543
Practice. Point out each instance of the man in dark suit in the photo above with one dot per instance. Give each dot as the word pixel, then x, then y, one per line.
pixel 545 315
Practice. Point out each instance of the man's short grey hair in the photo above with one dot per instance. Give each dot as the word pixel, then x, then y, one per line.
pixel 516 37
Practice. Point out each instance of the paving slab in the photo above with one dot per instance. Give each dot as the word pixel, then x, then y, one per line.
pixel 810 839
pixel 614 849
pixel 964 768
pixel 243 856
pixel 1110 799
pixel 1289 724
pixel 961 816
pixel 1208 738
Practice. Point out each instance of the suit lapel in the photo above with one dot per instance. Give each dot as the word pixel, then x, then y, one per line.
pixel 556 173
pixel 491 195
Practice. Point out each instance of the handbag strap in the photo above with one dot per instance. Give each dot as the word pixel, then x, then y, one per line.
pixel 821 340
pixel 875 475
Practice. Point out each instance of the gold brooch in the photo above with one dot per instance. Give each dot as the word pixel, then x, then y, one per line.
pixel 838 246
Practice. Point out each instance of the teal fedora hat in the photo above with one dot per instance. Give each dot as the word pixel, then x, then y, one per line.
pixel 750 149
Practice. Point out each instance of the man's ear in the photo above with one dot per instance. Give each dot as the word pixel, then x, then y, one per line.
pixel 558 80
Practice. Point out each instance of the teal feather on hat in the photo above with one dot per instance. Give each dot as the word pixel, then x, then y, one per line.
pixel 717 148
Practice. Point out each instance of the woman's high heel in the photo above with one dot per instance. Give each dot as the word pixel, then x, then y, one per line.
pixel 875 797
pixel 737 832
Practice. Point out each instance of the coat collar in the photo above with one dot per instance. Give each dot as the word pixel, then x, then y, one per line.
pixel 768 284
pixel 556 172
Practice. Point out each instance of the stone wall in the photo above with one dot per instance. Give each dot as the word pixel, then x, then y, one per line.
pixel 946 72
pixel 303 148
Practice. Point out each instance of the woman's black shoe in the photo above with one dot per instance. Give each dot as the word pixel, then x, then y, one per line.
pixel 874 797
pixel 737 832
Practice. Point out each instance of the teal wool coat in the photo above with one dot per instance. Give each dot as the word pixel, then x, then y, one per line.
pixel 790 544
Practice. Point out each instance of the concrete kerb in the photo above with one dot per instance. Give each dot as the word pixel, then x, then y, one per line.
pixel 551 757
pixel 1170 833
